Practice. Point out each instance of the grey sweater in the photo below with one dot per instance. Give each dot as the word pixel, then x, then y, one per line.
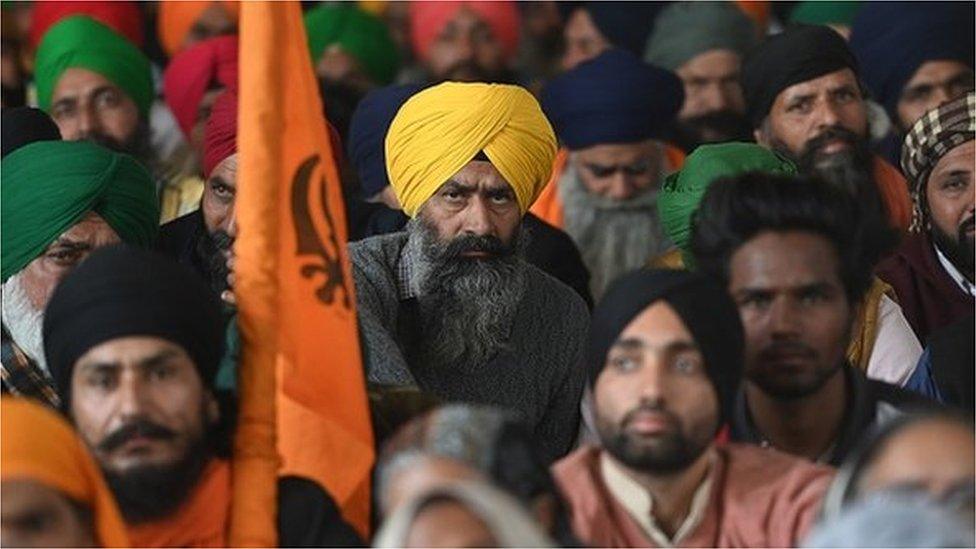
pixel 541 375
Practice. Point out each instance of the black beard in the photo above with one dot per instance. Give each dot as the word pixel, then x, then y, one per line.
pixel 210 253
pixel 152 492
pixel 137 145
pixel 672 452
pixel 793 388
pixel 958 249
pixel 711 127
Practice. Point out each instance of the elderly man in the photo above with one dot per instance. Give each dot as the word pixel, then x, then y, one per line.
pixel 790 253
pixel 611 112
pixel 664 359
pixel 706 54
pixel 804 99
pixel 450 305
pixel 60 200
pixel 883 345
pixel 133 340
pixel 932 270
pixel 51 490
pixel 467 40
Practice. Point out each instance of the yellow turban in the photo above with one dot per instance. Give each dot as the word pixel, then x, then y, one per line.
pixel 442 128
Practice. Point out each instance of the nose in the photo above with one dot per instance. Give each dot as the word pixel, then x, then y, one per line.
pixel 464 46
pixel 784 319
pixel 714 98
pixel 131 395
pixel 230 223
pixel 620 187
pixel 477 218
pixel 651 379
pixel 941 96
pixel 827 115
pixel 88 121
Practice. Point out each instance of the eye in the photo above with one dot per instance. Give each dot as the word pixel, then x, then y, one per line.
pixel 109 99
pixel 954 184
pixel 686 364
pixel 62 111
pixel 755 301
pixel 161 372
pixel 800 107
pixel 101 380
pixel 623 362
pixel 222 191
pixel 64 257
pixel 500 198
pixel 812 297
pixel 845 95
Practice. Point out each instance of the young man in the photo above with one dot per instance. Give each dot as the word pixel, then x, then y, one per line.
pixel 665 358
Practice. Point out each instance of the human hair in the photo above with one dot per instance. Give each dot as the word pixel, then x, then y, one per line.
pixel 735 210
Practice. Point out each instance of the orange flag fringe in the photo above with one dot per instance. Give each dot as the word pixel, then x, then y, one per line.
pixel 294 287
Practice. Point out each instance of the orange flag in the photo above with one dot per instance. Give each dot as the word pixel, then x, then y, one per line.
pixel 293 285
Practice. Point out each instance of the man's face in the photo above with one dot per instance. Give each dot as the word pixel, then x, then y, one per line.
pixel 619 171
pixel 951 204
pixel 934 83
pixel 35 515
pixel 794 309
pixel 86 106
pixel 449 523
pixel 465 50
pixel 214 21
pixel 823 117
pixel 714 109
pixel 140 404
pixel 583 40
pixel 476 202
pixel 216 246
pixel 656 409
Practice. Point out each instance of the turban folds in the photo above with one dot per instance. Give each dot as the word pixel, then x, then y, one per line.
pixel 122 291
pixel 893 39
pixel 682 191
pixel 427 20
pixel 220 134
pixel 439 130
pixel 361 34
pixel 176 18
pixel 705 308
pixel 684 30
pixel 192 72
pixel 798 54
pixel 40 446
pixel 49 186
pixel 122 17
pixel 79 41
pixel 612 98
pixel 367 132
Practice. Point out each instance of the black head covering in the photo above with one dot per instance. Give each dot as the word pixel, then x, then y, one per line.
pixel 704 307
pixel 798 54
pixel 124 291
pixel 24 125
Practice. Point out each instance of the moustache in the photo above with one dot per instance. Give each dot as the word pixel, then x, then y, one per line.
pixel 832 133
pixel 467 70
pixel 789 348
pixel 966 226
pixel 487 244
pixel 659 409
pixel 139 428
pixel 106 141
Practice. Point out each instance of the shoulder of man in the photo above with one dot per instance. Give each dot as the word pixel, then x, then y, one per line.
pixel 176 235
pixel 375 260
pixel 556 298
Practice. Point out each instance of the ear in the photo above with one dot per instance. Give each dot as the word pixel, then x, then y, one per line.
pixel 760 136
pixel 212 408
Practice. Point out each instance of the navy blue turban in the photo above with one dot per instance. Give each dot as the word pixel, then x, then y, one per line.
pixel 893 39
pixel 367 133
pixel 613 98
pixel 625 25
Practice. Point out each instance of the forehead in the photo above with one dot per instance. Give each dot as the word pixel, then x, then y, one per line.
pixel 77 81
pixel 783 260
pixel 718 62
pixel 129 349
pixel 91 227
pixel 937 71
pixel 613 153
pixel 481 174
pixel 657 325
pixel 960 158
pixel 226 170
pixel 821 84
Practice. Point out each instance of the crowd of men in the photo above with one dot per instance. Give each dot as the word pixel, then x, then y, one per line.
pixel 627 274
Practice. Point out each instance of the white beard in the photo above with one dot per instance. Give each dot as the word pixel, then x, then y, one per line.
pixel 23 321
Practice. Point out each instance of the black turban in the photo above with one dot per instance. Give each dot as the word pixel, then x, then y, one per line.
pixel 798 54
pixel 25 125
pixel 705 308
pixel 122 291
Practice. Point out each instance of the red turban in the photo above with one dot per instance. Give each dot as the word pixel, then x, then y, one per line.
pixel 122 17
pixel 427 20
pixel 220 135
pixel 193 71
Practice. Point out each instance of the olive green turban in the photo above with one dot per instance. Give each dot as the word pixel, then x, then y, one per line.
pixel 49 186
pixel 82 42
pixel 682 191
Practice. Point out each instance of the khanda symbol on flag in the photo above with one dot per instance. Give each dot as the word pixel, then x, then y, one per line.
pixel 303 408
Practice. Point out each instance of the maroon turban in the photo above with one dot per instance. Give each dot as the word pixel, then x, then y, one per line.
pixel 195 70
pixel 122 17
pixel 220 135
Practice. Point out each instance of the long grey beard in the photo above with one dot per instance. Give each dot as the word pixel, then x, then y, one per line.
pixel 466 306
pixel 23 321
pixel 613 236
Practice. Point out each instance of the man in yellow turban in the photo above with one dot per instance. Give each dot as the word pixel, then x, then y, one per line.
pixel 449 305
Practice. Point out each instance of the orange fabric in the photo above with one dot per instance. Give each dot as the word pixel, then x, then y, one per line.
pixel 38 444
pixel 293 277
pixel 549 208
pixel 894 193
pixel 200 522
pixel 758 11
pixel 177 17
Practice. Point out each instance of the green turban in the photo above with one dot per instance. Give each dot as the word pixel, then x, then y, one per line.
pixel 825 12
pixel 682 191
pixel 82 42
pixel 684 30
pixel 48 186
pixel 360 34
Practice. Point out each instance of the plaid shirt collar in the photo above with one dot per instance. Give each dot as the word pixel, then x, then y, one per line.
pixel 21 375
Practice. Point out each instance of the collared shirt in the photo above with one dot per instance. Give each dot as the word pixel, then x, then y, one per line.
pixel 640 504
pixel 968 287
pixel 21 375
pixel 405 274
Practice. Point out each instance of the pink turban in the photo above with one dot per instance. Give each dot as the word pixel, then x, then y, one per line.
pixel 192 72
pixel 427 20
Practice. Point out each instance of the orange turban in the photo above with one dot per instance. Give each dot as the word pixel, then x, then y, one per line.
pixel 37 444
pixel 427 19
pixel 177 18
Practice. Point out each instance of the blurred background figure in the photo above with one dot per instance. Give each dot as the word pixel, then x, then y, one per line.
pixel 594 27
pixel 180 24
